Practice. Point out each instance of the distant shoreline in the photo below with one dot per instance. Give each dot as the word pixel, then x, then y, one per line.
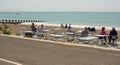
pixel 75 26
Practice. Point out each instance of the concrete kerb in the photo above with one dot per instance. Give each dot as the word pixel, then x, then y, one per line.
pixel 64 43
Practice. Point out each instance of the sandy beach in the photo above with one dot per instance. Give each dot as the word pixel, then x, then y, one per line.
pixel 15 27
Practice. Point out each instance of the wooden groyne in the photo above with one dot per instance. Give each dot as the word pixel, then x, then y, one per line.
pixel 15 21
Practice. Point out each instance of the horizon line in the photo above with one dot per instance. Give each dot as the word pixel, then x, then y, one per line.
pixel 59 11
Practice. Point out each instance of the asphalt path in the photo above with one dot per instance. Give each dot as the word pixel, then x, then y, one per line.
pixel 15 51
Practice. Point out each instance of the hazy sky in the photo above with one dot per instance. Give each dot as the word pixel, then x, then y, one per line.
pixel 60 5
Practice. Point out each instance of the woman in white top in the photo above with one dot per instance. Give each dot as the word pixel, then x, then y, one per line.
pixel 41 28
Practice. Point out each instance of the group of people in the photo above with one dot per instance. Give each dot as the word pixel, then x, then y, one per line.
pixel 66 26
pixel 34 28
pixel 112 35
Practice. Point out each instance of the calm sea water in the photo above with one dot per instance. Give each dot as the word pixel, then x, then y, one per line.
pixel 75 18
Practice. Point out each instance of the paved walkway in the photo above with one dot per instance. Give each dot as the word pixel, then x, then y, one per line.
pixel 41 52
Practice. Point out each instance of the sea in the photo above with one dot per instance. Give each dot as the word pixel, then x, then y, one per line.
pixel 94 19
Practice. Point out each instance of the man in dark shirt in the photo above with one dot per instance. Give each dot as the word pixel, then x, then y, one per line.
pixel 112 36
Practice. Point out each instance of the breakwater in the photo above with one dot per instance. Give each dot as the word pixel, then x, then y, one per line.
pixel 18 21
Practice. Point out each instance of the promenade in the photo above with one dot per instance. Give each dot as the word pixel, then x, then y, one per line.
pixel 26 51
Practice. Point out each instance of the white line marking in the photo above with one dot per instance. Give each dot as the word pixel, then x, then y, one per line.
pixel 10 61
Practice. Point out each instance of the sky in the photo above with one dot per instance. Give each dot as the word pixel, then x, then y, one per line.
pixel 60 5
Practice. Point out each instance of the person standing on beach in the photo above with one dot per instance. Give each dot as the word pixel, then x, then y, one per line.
pixel 66 26
pixel 62 25
pixel 112 36
pixel 69 25
pixel 33 28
